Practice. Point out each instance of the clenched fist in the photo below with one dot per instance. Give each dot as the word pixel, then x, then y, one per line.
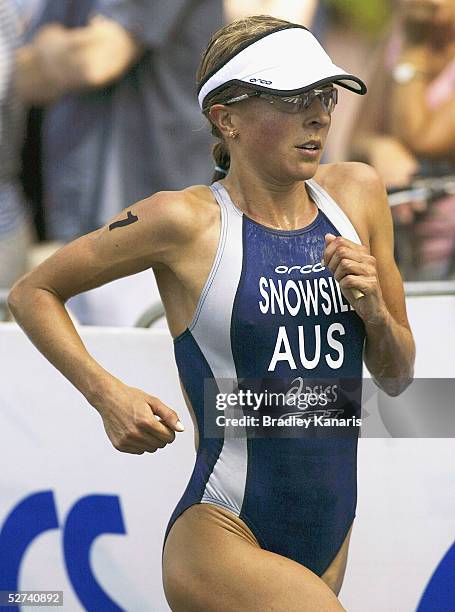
pixel 355 270
pixel 135 421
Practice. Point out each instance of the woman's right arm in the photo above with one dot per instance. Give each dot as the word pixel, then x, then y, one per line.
pixel 149 233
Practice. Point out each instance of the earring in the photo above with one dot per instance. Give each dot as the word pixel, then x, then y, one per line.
pixel 233 134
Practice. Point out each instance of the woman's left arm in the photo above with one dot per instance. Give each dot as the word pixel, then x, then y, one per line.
pixel 389 349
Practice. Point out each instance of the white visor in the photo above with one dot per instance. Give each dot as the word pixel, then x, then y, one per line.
pixel 287 61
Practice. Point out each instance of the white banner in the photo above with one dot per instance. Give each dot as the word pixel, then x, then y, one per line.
pixel 80 517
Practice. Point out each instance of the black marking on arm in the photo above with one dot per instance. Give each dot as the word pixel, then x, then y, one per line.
pixel 129 219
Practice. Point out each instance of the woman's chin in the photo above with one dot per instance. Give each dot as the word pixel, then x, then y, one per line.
pixel 307 169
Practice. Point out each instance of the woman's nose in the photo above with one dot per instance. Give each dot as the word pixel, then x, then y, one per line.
pixel 317 113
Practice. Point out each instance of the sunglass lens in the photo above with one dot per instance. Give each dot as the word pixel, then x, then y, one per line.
pixel 328 99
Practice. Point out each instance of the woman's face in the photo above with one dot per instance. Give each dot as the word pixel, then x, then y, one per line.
pixel 278 145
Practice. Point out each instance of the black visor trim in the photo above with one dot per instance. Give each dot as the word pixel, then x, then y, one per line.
pixel 337 80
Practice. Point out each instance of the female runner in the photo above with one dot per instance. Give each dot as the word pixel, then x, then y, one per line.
pixel 282 270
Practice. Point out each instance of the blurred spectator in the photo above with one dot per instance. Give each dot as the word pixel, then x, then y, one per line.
pixel 406 127
pixel 15 224
pixel 121 119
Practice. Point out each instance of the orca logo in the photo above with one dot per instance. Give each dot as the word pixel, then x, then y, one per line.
pixel 319 267
pixel 90 517
pixel 260 81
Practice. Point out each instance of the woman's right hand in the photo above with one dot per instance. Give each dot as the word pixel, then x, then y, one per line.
pixel 135 421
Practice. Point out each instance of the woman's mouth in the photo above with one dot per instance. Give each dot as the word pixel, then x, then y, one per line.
pixel 310 149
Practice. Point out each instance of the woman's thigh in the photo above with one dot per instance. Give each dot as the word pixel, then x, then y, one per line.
pixel 213 563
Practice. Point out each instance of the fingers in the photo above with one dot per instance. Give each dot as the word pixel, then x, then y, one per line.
pixel 357 284
pixel 142 437
pixel 339 248
pixel 141 423
pixel 152 437
pixel 347 259
pixel 166 414
pixel 152 432
pixel 132 450
pixel 350 266
pixel 149 432
pixel 151 428
pixel 136 441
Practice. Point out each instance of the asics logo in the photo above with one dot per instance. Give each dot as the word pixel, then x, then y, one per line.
pixel 307 269
pixel 260 81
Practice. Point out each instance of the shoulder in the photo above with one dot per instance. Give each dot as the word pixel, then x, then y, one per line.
pixel 357 188
pixel 349 175
pixel 178 214
pixel 158 229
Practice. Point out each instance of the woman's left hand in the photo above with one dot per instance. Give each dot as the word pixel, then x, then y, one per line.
pixel 354 268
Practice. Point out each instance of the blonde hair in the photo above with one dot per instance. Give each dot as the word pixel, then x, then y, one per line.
pixel 221 46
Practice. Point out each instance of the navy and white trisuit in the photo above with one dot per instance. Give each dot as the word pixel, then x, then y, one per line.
pixel 297 495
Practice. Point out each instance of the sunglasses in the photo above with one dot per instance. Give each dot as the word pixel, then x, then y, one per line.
pixel 295 104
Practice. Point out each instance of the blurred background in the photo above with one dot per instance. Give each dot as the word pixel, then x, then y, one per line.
pixel 98 110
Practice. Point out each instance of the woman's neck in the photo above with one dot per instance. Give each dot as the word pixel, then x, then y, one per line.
pixel 284 206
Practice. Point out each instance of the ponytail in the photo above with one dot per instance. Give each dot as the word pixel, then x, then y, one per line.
pixel 220 154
